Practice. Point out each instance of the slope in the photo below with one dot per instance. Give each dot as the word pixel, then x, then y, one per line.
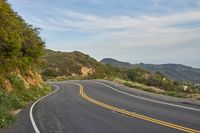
pixel 21 53
pixel 173 71
pixel 116 63
pixel 71 64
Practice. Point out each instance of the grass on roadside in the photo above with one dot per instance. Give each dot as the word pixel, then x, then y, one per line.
pixel 176 94
pixel 10 101
pixel 139 86
pixel 154 89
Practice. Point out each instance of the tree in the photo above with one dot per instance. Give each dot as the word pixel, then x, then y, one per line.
pixel 20 44
pixel 138 75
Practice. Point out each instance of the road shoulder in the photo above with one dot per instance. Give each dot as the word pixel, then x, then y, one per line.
pixel 166 98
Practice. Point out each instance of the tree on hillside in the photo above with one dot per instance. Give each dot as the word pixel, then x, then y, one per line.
pixel 20 44
pixel 138 75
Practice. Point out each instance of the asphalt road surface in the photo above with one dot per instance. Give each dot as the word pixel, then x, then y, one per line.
pixel 93 107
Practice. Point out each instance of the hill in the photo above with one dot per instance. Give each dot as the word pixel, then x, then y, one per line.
pixel 59 64
pixel 173 71
pixel 116 63
pixel 21 49
pixel 77 65
pixel 21 56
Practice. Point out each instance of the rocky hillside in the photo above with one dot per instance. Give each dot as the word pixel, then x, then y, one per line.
pixel 21 56
pixel 173 71
pixel 21 49
pixel 59 64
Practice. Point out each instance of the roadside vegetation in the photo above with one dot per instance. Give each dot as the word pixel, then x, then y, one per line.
pixel 154 82
pixel 11 101
pixel 21 57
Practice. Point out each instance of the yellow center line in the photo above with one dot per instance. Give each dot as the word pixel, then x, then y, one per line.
pixel 133 114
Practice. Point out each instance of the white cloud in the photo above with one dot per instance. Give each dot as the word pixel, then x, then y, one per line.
pixel 125 31
pixel 88 22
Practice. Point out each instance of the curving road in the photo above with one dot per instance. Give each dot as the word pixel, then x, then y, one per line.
pixel 102 107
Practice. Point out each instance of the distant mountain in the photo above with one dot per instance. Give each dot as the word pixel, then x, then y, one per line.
pixel 173 71
pixel 116 63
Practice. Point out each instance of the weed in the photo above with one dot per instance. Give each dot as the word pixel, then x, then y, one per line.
pixel 13 101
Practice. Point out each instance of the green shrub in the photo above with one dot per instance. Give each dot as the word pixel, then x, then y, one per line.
pixel 17 82
pixel 8 102
pixel 176 94
pixel 20 48
pixel 13 101
pixel 5 116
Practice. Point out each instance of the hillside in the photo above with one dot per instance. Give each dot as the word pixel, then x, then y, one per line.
pixel 116 63
pixel 59 64
pixel 173 71
pixel 21 56
pixel 21 49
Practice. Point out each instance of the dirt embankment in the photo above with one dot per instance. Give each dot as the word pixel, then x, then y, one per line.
pixel 30 78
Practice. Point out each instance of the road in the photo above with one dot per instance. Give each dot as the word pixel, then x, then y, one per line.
pixel 99 107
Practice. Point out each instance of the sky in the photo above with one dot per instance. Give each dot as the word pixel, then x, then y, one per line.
pixel 135 31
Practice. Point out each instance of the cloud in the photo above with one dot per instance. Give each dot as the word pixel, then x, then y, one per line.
pixel 88 23
pixel 125 31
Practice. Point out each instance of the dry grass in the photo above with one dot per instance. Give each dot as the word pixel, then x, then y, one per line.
pixel 155 89
pixel 140 86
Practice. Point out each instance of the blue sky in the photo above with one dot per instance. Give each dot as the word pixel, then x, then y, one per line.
pixel 148 31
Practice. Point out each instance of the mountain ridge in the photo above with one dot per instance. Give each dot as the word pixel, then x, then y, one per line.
pixel 174 71
pixel 119 64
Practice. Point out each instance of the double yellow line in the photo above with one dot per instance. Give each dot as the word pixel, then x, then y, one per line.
pixel 133 114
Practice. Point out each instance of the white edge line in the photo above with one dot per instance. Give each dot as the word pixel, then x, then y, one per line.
pixel 155 101
pixel 31 109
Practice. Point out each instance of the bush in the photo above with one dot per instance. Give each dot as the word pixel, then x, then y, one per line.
pixel 13 101
pixel 176 94
pixel 8 102
pixel 137 75
pixel 17 82
pixel 5 116
pixel 20 48
pixel 20 43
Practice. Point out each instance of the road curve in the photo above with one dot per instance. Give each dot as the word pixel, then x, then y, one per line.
pixel 90 107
